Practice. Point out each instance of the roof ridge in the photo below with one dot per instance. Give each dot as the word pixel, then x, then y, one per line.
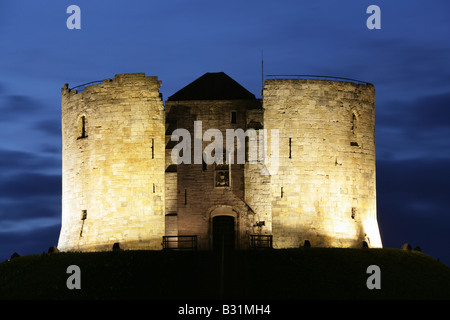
pixel 213 86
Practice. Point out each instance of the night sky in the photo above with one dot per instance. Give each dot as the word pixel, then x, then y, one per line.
pixel 408 61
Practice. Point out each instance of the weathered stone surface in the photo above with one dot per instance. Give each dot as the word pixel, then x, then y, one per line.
pixel 113 169
pixel 324 189
pixel 192 191
pixel 120 184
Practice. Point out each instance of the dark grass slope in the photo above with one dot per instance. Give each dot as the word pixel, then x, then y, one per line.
pixel 314 273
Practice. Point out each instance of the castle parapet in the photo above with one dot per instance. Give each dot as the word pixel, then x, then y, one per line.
pixel 325 188
pixel 113 164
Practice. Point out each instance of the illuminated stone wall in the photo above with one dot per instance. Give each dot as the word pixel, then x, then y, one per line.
pixel 325 188
pixel 113 169
pixel 120 185
pixel 199 199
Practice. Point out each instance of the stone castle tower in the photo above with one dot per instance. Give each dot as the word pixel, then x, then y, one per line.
pixel 121 185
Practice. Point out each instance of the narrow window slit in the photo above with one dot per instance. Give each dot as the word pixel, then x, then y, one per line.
pixel 153 148
pixel 233 117
pixel 204 167
pixel 290 148
pixel 354 213
pixel 82 128
pixel 354 123
pixel 83 218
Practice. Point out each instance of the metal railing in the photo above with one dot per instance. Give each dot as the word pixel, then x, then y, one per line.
pixel 180 242
pixel 260 241
pixel 308 76
pixel 81 87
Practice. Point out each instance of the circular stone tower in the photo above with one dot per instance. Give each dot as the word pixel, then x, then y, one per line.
pixel 324 190
pixel 113 165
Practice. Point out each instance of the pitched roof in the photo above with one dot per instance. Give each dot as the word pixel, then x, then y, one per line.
pixel 213 86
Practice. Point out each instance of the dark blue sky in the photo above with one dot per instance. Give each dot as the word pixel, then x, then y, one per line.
pixel 408 61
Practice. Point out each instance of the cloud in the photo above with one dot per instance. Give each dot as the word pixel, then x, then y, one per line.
pixel 414 128
pixel 30 202
pixel 14 107
pixel 28 185
pixel 422 114
pixel 416 184
pixel 51 127
pixel 30 182
pixel 18 162
pixel 399 66
pixel 23 209
pixel 30 190
pixel 27 124
pixel 32 241
pixel 413 204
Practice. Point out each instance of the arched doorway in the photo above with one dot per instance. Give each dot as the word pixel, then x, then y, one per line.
pixel 223 235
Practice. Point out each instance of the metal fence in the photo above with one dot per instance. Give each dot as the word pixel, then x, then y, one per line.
pixel 180 242
pixel 309 76
pixel 260 241
pixel 81 87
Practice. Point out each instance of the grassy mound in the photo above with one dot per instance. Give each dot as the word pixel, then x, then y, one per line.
pixel 314 273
